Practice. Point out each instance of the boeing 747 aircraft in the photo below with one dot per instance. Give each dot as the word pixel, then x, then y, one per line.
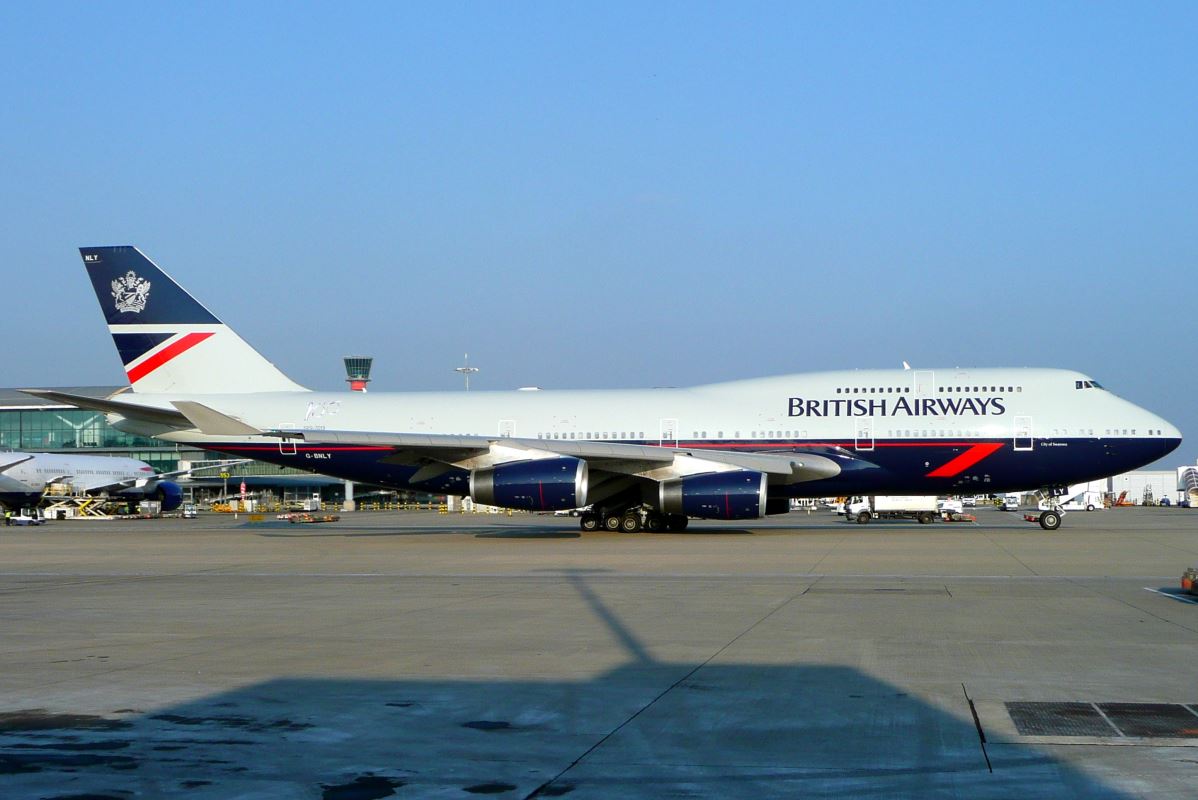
pixel 24 478
pixel 647 458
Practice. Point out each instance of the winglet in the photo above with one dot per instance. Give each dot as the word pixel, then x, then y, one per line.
pixel 212 422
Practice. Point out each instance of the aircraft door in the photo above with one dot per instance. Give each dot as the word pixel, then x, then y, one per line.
pixel 669 433
pixel 287 446
pixel 925 383
pixel 864 438
pixel 1023 433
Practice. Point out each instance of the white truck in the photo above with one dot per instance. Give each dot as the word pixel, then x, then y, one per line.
pixel 862 509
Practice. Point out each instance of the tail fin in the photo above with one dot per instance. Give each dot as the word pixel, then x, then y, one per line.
pixel 167 341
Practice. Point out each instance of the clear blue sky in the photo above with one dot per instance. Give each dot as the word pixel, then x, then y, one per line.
pixel 606 194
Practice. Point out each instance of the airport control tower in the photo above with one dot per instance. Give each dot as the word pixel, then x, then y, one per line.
pixel 357 372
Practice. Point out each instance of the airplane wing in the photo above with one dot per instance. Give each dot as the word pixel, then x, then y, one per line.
pixel 472 452
pixel 14 462
pixel 477 452
pixel 131 482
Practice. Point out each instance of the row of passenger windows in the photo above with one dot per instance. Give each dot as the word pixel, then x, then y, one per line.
pixel 796 434
pixel 593 436
pixel 942 389
pixel 977 389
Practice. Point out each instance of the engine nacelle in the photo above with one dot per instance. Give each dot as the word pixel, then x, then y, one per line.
pixel 550 484
pixel 716 495
pixel 169 493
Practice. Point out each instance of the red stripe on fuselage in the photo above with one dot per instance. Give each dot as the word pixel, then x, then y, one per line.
pixel 166 354
pixel 966 460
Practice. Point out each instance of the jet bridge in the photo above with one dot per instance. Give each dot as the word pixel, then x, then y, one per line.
pixel 1188 483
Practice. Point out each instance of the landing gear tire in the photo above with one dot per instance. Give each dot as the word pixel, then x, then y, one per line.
pixel 676 523
pixel 654 523
pixel 1050 520
pixel 630 523
pixel 612 522
pixel 925 518
pixel 589 522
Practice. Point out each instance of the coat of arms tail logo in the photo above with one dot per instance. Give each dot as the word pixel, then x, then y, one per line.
pixel 131 293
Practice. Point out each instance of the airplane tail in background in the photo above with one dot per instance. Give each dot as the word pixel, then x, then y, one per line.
pixel 167 341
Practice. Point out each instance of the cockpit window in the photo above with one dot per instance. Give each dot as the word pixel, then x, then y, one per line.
pixel 1087 385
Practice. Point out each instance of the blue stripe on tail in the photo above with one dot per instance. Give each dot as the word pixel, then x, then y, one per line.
pixel 133 346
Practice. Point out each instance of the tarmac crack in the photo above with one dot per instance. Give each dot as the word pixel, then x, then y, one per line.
pixel 543 789
pixel 839 541
pixel 1011 555
pixel 1131 605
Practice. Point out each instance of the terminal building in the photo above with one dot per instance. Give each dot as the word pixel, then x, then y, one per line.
pixel 36 425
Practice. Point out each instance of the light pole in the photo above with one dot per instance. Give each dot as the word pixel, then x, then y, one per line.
pixel 466 370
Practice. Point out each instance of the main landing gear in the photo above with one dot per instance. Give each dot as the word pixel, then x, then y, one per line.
pixel 632 520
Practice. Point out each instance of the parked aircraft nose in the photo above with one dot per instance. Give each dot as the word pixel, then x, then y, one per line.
pixel 1170 435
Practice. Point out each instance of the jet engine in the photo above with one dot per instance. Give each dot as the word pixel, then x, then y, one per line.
pixel 169 493
pixel 717 495
pixel 550 484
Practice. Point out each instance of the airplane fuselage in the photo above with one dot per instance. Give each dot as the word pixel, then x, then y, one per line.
pixel 944 431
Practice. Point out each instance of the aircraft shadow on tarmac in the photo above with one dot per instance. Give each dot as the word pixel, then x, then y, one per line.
pixel 645 729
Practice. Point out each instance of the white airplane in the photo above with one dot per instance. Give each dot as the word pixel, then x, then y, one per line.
pixel 633 458
pixel 24 478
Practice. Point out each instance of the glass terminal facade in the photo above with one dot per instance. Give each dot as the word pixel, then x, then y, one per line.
pixel 31 425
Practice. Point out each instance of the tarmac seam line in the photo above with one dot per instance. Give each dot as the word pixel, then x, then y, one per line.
pixel 537 791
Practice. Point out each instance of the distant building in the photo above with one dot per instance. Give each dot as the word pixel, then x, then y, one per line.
pixel 38 425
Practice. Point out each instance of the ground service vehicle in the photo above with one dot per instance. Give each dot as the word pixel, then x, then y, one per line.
pixel 862 509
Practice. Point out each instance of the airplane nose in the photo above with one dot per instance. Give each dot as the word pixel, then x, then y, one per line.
pixel 1170 436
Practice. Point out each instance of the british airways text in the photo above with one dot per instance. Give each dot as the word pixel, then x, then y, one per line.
pixel 902 407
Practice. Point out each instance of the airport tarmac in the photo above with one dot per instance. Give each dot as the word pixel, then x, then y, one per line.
pixel 424 655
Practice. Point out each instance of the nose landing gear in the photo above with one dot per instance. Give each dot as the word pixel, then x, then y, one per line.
pixel 1050 518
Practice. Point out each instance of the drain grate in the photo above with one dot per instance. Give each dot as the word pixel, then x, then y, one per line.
pixel 1059 719
pixel 1130 720
pixel 1152 719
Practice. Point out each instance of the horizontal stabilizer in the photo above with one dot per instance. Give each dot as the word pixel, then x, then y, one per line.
pixel 160 416
pixel 213 423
